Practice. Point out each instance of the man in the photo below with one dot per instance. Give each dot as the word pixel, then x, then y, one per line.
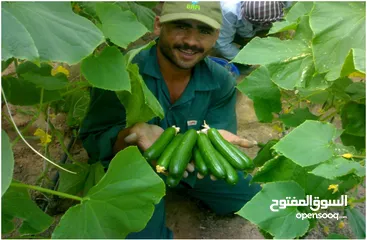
pixel 242 20
pixel 191 88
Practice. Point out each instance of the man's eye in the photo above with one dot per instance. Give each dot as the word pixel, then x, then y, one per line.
pixel 203 31
pixel 181 27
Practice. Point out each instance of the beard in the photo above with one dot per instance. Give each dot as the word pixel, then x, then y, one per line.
pixel 172 54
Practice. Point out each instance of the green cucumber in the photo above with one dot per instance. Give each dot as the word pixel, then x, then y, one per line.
pixel 172 181
pixel 231 173
pixel 224 149
pixel 265 153
pixel 182 155
pixel 199 162
pixel 243 156
pixel 154 151
pixel 165 158
pixel 207 151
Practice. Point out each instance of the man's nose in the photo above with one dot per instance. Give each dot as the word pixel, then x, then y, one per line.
pixel 192 37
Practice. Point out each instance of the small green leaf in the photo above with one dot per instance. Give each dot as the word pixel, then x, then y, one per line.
pixel 16 203
pixel 30 67
pixel 265 107
pixel 133 52
pixel 282 26
pixel 308 144
pixel 7 162
pixel 336 236
pixel 143 13
pixel 76 106
pixel 357 222
pixel 353 117
pixel 357 90
pixel 355 62
pixel 121 27
pixel 140 98
pixel 299 9
pixel 297 117
pixel 60 34
pixel 47 82
pixel 24 93
pixel 107 71
pixel 122 202
pixel 352 140
pixel 346 20
pixel 337 167
pixel 96 173
pixel 281 224
pixel 73 183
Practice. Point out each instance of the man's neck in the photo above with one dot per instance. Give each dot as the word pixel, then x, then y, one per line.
pixel 170 72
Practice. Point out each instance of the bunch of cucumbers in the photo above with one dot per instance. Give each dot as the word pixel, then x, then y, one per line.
pixel 212 154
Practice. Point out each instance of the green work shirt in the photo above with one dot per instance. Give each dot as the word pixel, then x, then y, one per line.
pixel 210 95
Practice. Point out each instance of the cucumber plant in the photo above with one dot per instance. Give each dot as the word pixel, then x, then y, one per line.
pixel 307 83
pixel 40 40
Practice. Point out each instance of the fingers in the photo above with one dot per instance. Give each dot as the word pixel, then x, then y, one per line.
pixel 185 174
pixel 199 176
pixel 234 139
pixel 242 142
pixel 131 138
pixel 213 178
pixel 190 167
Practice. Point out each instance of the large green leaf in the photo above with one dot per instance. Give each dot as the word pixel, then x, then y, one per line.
pixel 7 162
pixel 107 71
pixel 353 117
pixel 143 13
pixel 73 183
pixel 281 224
pixel 272 50
pixel 264 108
pixel 122 202
pixel 282 26
pixel 338 167
pixel 338 27
pixel 16 203
pixel 121 27
pixel 297 117
pixel 24 93
pixel 46 31
pixel 308 144
pixel 30 67
pixel 357 222
pixel 141 105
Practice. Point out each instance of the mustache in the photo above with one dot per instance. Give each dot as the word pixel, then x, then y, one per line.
pixel 189 47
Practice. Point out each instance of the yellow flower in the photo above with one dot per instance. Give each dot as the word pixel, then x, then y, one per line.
pixel 334 187
pixel 357 74
pixel 347 155
pixel 286 110
pixel 326 230
pixel 308 101
pixel 60 69
pixel 52 115
pixel 44 137
pixel 278 128
pixel 341 225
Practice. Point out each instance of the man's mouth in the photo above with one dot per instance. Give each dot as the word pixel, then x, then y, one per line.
pixel 187 51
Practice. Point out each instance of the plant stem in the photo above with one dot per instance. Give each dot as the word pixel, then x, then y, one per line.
pixel 329 116
pixel 45 190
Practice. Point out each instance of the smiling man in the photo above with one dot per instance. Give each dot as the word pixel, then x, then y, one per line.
pixel 190 88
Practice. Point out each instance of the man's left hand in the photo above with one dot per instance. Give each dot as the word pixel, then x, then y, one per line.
pixel 234 139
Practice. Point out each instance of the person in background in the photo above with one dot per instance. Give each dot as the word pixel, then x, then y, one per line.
pixel 242 20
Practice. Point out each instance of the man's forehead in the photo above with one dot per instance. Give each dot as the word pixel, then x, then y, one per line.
pixel 193 23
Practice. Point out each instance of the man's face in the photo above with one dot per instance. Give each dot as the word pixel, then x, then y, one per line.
pixel 185 42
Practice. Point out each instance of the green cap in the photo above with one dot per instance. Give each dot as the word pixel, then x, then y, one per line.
pixel 206 12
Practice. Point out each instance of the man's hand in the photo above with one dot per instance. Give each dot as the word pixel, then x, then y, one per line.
pixel 143 135
pixel 234 139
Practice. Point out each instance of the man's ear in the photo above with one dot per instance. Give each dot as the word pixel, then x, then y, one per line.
pixel 157 26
